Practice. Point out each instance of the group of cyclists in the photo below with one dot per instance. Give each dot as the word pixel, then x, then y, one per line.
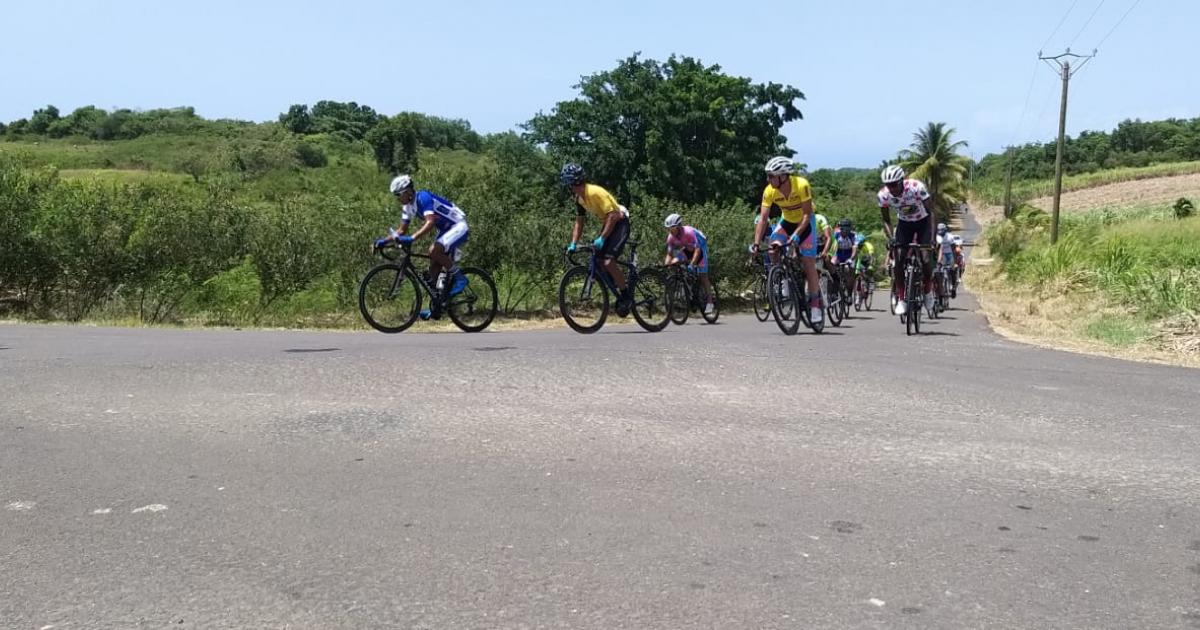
pixel 795 228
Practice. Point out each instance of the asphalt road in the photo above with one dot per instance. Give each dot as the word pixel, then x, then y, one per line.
pixel 704 477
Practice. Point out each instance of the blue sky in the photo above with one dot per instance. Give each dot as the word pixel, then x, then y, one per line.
pixel 873 72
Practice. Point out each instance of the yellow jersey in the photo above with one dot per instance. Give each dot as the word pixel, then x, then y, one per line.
pixel 597 201
pixel 791 204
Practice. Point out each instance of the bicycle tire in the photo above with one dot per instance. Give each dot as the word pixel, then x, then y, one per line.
pixel 651 306
pixel 574 281
pixel 679 302
pixel 369 300
pixel 762 302
pixel 478 299
pixel 833 311
pixel 785 309
pixel 716 298
pixel 870 296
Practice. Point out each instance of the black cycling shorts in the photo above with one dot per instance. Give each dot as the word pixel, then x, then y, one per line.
pixel 615 243
pixel 905 230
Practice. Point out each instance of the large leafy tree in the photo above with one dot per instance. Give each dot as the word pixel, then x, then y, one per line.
pixel 394 142
pixel 679 130
pixel 934 159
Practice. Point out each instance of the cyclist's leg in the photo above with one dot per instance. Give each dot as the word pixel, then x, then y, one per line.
pixel 613 246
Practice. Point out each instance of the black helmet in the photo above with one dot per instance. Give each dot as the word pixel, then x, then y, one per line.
pixel 571 174
pixel 846 224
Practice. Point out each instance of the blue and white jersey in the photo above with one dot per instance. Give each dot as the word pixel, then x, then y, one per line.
pixel 844 243
pixel 446 215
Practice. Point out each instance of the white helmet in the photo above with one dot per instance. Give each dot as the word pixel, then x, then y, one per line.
pixel 673 220
pixel 892 174
pixel 779 165
pixel 400 184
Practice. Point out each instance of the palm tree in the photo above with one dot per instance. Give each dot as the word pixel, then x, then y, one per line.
pixel 934 159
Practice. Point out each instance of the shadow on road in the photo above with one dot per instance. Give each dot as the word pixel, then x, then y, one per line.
pixel 310 350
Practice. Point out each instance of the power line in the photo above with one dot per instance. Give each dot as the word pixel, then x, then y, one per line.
pixel 1110 31
pixel 1060 23
pixel 1025 107
pixel 1085 24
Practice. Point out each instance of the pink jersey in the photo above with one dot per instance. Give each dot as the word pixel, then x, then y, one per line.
pixel 689 239
pixel 910 205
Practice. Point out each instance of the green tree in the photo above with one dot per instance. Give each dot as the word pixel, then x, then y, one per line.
pixel 680 130
pixel 297 119
pixel 934 159
pixel 394 143
pixel 348 120
pixel 41 120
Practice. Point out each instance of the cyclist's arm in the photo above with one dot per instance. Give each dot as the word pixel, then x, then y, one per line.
pixel 610 221
pixel 761 227
pixel 696 256
pixel 577 231
pixel 425 229
pixel 828 232
pixel 887 221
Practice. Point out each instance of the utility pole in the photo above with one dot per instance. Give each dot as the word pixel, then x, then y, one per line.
pixel 1064 69
pixel 1008 209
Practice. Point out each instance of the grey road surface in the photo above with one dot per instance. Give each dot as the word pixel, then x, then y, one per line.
pixel 705 477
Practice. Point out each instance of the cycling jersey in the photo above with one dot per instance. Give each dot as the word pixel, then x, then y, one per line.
pixel 843 245
pixel 446 215
pixel 690 239
pixel 911 205
pixel 599 202
pixel 790 205
pixel 948 245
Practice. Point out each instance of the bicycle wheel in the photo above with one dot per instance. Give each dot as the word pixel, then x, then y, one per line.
pixel 833 310
pixel 762 302
pixel 651 307
pixel 582 300
pixel 785 306
pixel 473 308
pixel 388 299
pixel 716 312
pixel 678 300
pixel 860 290
pixel 870 295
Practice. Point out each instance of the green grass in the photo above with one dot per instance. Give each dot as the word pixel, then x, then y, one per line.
pixel 993 192
pixel 1117 331
pixel 1141 261
pixel 122 175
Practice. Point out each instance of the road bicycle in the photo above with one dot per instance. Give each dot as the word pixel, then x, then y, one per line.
pixel 391 294
pixel 586 289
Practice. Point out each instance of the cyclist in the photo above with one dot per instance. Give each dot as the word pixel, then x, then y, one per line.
pixel 687 244
pixel 865 260
pixel 950 254
pixel 452 233
pixel 844 246
pixel 614 230
pixel 914 211
pixel 794 196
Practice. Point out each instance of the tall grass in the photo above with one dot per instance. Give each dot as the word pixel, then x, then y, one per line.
pixel 1142 260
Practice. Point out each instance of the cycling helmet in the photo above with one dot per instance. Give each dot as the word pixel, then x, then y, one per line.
pixel 400 184
pixel 673 220
pixel 941 228
pixel 571 174
pixel 892 174
pixel 845 224
pixel 858 240
pixel 779 165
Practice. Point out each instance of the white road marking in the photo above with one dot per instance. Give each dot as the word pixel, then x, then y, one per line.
pixel 20 506
pixel 154 507
pixel 876 602
pixel 102 511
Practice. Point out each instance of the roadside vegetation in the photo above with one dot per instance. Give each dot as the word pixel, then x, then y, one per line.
pixel 162 216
